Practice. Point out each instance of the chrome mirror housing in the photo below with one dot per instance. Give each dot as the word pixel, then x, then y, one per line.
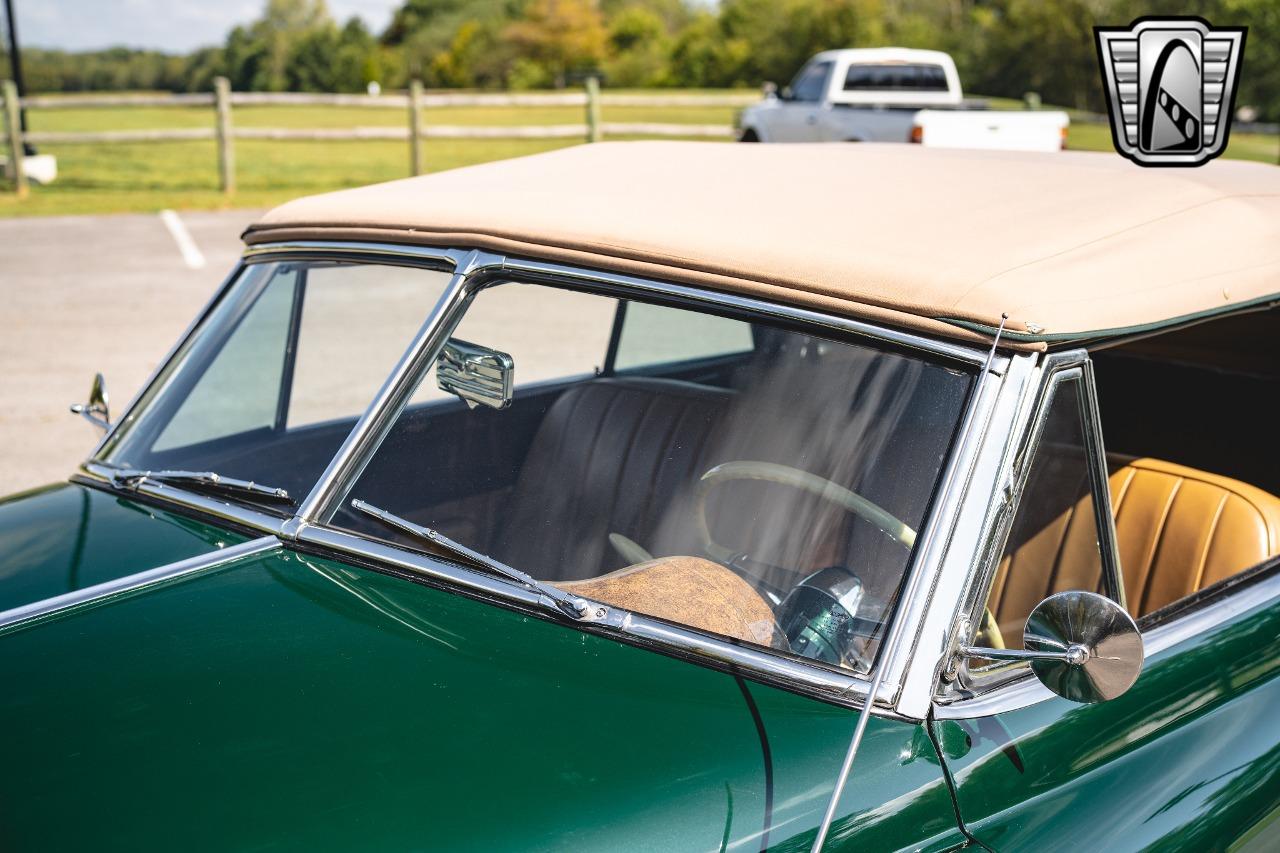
pixel 96 411
pixel 1081 645
pixel 479 375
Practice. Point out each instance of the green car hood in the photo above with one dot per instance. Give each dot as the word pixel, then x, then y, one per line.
pixel 68 536
pixel 285 701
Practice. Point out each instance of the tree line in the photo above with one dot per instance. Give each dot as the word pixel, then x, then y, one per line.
pixel 1002 47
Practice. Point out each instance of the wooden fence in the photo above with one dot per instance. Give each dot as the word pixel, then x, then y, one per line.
pixel 415 101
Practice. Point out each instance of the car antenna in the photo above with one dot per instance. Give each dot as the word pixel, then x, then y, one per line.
pixel 895 636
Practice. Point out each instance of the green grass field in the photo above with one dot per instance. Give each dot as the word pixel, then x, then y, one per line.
pixel 183 175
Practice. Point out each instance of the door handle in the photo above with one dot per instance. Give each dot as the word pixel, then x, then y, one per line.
pixel 812 119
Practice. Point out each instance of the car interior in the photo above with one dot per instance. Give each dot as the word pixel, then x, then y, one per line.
pixel 601 483
pixel 1188 423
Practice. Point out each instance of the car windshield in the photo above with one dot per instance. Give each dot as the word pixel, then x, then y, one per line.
pixel 730 475
pixel 274 379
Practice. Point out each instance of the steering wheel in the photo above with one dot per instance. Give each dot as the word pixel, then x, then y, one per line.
pixel 771 472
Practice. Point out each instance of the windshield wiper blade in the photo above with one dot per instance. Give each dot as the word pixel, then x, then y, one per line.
pixel 571 606
pixel 210 480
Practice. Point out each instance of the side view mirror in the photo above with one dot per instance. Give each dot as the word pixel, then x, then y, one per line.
pixel 1081 645
pixel 786 94
pixel 96 411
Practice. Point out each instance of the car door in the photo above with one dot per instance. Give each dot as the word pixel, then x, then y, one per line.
pixel 798 115
pixel 1188 758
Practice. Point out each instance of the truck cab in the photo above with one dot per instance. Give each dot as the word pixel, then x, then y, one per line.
pixel 890 84
pixel 892 94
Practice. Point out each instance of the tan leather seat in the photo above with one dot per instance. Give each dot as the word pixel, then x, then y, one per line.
pixel 1178 530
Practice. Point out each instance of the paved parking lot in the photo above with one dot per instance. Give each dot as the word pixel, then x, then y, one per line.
pixel 84 294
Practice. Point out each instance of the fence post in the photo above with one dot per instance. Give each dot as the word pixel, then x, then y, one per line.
pixel 415 127
pixel 13 131
pixel 226 149
pixel 593 109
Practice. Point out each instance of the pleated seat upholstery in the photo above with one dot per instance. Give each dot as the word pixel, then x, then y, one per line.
pixel 1178 531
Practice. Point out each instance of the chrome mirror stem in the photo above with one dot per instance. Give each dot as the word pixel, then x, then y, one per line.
pixel 1074 654
pixel 96 411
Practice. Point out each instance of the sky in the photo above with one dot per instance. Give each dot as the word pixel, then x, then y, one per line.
pixel 175 26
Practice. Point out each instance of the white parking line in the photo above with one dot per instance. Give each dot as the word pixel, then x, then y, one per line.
pixel 190 251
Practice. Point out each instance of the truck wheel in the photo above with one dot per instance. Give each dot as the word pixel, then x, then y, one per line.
pixel 749 135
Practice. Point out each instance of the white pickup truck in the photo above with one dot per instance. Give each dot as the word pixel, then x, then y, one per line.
pixel 893 94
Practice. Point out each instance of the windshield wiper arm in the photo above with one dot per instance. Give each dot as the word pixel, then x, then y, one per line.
pixel 571 606
pixel 131 479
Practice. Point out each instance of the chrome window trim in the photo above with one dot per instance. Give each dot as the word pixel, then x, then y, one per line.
pixel 90 596
pixel 1028 690
pixel 958 352
pixel 329 248
pixel 972 510
pixel 849 690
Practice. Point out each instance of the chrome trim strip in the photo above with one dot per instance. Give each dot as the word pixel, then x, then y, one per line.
pixel 29 614
pixel 1104 517
pixel 967 512
pixel 1196 622
pixel 98 475
pixel 959 352
pixel 911 594
pixel 325 247
pixel 364 438
pixel 845 689
pixel 1028 691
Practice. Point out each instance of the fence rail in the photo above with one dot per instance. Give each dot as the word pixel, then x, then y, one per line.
pixel 416 129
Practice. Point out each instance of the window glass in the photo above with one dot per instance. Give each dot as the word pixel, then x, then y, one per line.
pixel 278 374
pixel 811 83
pixel 355 323
pixel 656 334
pixel 1053 542
pixel 550 334
pixel 895 77
pixel 703 500
pixel 240 390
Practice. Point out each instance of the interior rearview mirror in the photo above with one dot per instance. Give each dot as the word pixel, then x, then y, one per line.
pixel 1081 645
pixel 96 411
pixel 479 375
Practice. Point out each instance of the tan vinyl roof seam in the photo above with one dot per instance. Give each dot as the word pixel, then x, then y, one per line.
pixel 1069 244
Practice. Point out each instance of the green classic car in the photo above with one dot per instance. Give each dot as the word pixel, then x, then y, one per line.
pixel 681 496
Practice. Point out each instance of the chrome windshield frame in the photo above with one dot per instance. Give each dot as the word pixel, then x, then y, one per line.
pixel 307 528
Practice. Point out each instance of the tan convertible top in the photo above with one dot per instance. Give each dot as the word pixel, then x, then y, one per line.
pixel 1070 245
